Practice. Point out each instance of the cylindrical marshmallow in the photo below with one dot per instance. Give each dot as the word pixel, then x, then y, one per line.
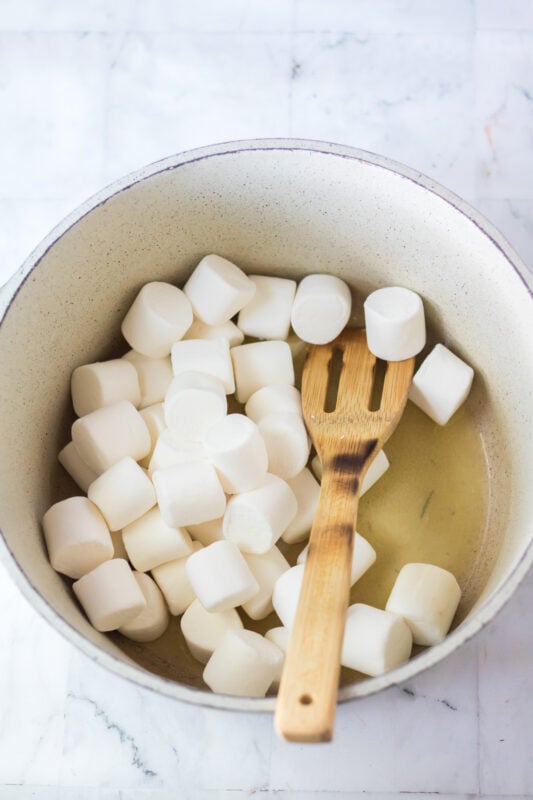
pixel 227 330
pixel 441 384
pixel 194 403
pixel 277 397
pixel 207 532
pixel 375 641
pixel 287 443
pixel 377 468
pixel 260 364
pixel 220 577
pixel 123 493
pixel 170 450
pixel 154 419
pixel 173 581
pixel 218 289
pixel 268 314
pixel 149 541
pixel 307 491
pixel 119 551
pixel 102 384
pixel 426 596
pixel 280 637
pixel 266 569
pixel 363 557
pixel 159 316
pixel 108 434
pixel 238 451
pixel 153 620
pixel 78 470
pixel 110 595
pixel 287 593
pixel 255 520
pixel 154 374
pixel 204 630
pixel 208 356
pixel 77 537
pixel 244 663
pixel 395 324
pixel 321 308
pixel 189 493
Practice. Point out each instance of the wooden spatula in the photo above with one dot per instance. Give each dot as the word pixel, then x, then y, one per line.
pixel 338 392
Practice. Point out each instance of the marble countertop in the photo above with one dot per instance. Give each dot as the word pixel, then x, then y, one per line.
pixel 90 90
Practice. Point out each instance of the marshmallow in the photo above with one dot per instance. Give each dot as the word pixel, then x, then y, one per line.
pixel 277 397
pixel 227 330
pixel 102 384
pixel 268 314
pixel 220 577
pixel 78 470
pixel 77 536
pixel 208 356
pixel 159 316
pixel 299 354
pixel 427 597
pixel 260 364
pixel 266 569
pixel 441 384
pixel 110 595
pixel 238 451
pixel 375 641
pixel 307 491
pixel 207 532
pixel 218 289
pixel 255 520
pixel 280 637
pixel 244 663
pixel 395 324
pixel 108 434
pixel 154 419
pixel 287 443
pixel 173 581
pixel 154 375
pixel 363 557
pixel 169 451
pixel 189 493
pixel 377 468
pixel 204 630
pixel 287 593
pixel 123 493
pixel 119 551
pixel 153 620
pixel 194 402
pixel 149 541
pixel 321 309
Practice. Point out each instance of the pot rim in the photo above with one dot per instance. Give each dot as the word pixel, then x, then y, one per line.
pixel 172 689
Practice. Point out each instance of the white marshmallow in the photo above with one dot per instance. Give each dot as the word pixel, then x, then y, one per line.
pixel 321 308
pixel 266 569
pixel 299 353
pixel 78 470
pixel 207 532
pixel 287 593
pixel 153 620
pixel 189 493
pixel 218 289
pixel 260 364
pixel 227 330
pixel 149 541
pixel 426 596
pixel 363 557
pixel 238 451
pixel 208 356
pixel 123 493
pixel 194 403
pixel 287 443
pixel 102 384
pixel 395 324
pixel 316 466
pixel 154 419
pixel 110 595
pixel 244 663
pixel 375 641
pixel 268 314
pixel 441 384
pixel 377 468
pixel 119 551
pixel 275 398
pixel 169 451
pixel 108 434
pixel 159 316
pixel 77 536
pixel 255 520
pixel 173 581
pixel 307 491
pixel 220 577
pixel 154 374
pixel 203 630
pixel 280 637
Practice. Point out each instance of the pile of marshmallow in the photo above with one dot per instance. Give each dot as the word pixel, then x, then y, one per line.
pixel 186 502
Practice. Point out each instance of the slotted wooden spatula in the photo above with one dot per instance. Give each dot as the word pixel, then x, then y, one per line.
pixel 337 393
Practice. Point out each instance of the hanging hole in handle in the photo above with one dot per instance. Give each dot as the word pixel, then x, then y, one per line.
pixel 335 366
pixel 380 370
pixel 305 699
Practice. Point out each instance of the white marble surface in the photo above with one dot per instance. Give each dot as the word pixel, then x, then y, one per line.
pixel 90 90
